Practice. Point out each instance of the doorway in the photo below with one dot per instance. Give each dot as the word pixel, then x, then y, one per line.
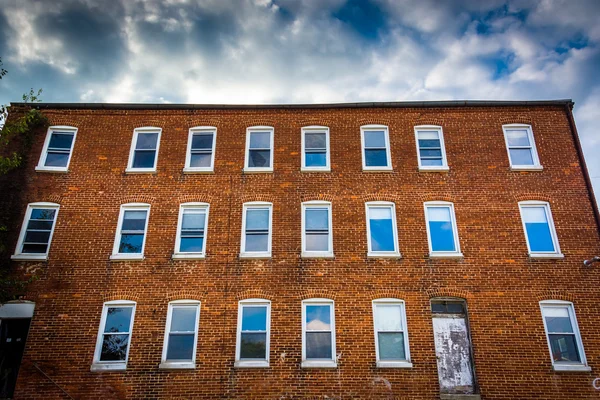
pixel 15 319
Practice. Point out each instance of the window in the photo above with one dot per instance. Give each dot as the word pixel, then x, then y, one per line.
pixel 181 335
pixel 36 232
pixel 540 234
pixel 256 229
pixel 317 237
pixel 441 230
pixel 391 337
pixel 382 235
pixel 562 332
pixel 431 152
pixel 259 149
pixel 376 148
pixel 318 334
pixel 254 320
pixel 58 149
pixel 191 230
pixel 144 150
pixel 520 145
pixel 131 232
pixel 114 336
pixel 315 148
pixel 201 149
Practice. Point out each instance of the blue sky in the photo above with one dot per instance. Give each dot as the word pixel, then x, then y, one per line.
pixel 307 51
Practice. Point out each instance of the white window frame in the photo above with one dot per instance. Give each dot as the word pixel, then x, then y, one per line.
pixel 116 256
pixel 57 128
pixel 249 130
pixel 256 254
pixel 536 204
pixel 202 130
pixel 180 364
pixel 136 132
pixel 565 366
pixel 178 254
pixel 254 363
pixel 19 255
pixel 443 254
pixel 534 154
pixel 315 129
pixel 317 254
pixel 98 365
pixel 439 130
pixel 385 129
pixel 382 204
pixel 319 363
pixel 392 363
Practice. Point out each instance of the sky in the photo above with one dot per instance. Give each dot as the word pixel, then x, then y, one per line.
pixel 306 51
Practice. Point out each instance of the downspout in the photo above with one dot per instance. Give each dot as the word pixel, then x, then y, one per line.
pixel 586 175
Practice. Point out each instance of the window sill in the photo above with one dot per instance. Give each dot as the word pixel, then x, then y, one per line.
pixel 526 168
pixel 251 364
pixel 123 257
pixel 98 367
pixel 198 171
pixel 181 256
pixel 29 257
pixel 140 170
pixel 384 255
pixel 548 256
pixel 319 364
pixel 308 169
pixel 307 254
pixel 254 255
pixel 257 170
pixel 571 367
pixel 176 365
pixel 394 364
pixel 377 169
pixel 52 169
pixel 449 256
pixel 434 169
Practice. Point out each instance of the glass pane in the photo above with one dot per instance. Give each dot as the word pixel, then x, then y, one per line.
pixel 114 347
pixel 260 140
pixel 375 139
pixel 376 158
pixel 254 318
pixel 181 347
pixel 316 159
pixel 134 220
pixel 317 219
pixel 540 238
pixel 430 152
pixel 428 135
pixel 388 318
pixel 146 141
pixel 191 245
pixel 517 138
pixel 257 242
pixel 318 345
pixel 257 219
pixel 521 157
pixel 193 220
pixel 56 160
pixel 43 213
pixel 34 248
pixel 455 308
pixel 200 160
pixel 442 237
pixel 428 162
pixel 253 345
pixel 441 214
pixel 131 243
pixel 143 159
pixel 118 319
pixel 315 140
pixel 259 158
pixel 317 242
pixel 318 318
pixel 391 346
pixel 534 214
pixel 61 141
pixel 183 319
pixel 564 348
pixel 558 319
pixel 37 237
pixel 382 231
pixel 202 142
pixel 438 308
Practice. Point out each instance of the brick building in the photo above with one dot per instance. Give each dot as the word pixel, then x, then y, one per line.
pixel 377 250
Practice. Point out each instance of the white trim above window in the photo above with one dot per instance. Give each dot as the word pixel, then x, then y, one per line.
pixel 315 149
pixel 193 231
pixel 58 149
pixel 520 142
pixel 256 248
pixel 563 337
pixel 143 149
pixel 431 150
pixel 377 144
pixel 115 336
pixel 36 232
pixel 379 211
pixel 384 313
pixel 175 328
pixel 441 213
pixel 310 247
pixel 252 333
pixel 534 215
pixel 133 232
pixel 256 154
pixel 198 153
pixel 319 327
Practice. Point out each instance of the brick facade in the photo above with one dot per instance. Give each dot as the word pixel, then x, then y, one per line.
pixel 501 284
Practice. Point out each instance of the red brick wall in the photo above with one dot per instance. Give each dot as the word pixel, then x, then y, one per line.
pixel 501 284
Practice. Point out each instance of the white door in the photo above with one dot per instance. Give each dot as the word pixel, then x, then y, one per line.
pixel 453 352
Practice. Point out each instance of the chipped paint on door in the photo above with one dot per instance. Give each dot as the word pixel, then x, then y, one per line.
pixel 453 353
